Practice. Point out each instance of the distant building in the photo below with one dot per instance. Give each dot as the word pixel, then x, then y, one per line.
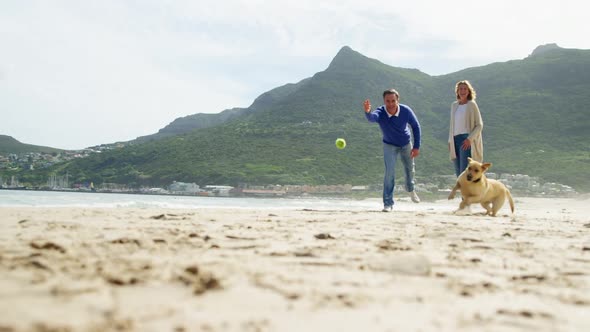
pixel 184 188
pixel 359 188
pixel 218 190
pixel 155 191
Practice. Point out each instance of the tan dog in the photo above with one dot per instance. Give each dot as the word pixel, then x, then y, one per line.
pixel 477 188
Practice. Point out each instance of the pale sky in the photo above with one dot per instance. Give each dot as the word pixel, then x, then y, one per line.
pixel 77 73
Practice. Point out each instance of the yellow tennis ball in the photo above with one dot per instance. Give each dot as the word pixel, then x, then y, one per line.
pixel 340 143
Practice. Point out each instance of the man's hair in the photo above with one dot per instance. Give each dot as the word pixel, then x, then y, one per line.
pixel 391 92
pixel 471 95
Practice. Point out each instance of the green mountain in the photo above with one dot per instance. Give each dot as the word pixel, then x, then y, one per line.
pixel 535 122
pixel 205 120
pixel 9 145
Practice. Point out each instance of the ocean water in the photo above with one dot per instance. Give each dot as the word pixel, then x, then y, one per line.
pixel 29 198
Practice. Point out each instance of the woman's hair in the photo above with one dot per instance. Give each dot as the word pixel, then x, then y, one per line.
pixel 471 95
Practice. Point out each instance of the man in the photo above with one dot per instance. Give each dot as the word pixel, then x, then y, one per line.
pixel 394 118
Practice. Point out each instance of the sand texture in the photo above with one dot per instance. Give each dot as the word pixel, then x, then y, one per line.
pixel 418 268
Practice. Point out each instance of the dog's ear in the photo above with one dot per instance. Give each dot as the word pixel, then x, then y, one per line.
pixel 486 166
pixel 469 159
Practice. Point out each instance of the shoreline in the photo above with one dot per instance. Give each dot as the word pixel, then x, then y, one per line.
pixel 429 197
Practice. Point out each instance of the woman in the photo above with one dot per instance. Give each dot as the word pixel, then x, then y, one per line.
pixel 465 129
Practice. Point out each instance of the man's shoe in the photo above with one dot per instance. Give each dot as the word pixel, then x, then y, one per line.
pixel 414 196
pixel 387 208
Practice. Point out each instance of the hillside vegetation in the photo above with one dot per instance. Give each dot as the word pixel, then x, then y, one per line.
pixel 10 145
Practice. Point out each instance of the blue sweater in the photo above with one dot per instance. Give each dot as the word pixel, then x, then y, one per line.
pixel 395 129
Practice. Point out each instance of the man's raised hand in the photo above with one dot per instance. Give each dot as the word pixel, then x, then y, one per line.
pixel 367 106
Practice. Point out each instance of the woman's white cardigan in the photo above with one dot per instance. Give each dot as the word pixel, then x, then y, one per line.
pixel 475 125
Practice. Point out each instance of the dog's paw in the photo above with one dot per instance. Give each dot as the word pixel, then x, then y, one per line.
pixel 451 196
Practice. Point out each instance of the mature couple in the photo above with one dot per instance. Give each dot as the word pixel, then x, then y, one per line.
pixel 396 120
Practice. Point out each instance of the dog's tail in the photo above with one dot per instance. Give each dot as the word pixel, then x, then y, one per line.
pixel 510 200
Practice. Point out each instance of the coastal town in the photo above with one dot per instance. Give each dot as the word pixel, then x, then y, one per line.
pixel 40 160
pixel 434 186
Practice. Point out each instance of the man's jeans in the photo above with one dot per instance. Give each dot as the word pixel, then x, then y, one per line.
pixel 390 153
pixel 461 160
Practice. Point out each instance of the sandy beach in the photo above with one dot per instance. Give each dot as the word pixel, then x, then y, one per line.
pixel 419 268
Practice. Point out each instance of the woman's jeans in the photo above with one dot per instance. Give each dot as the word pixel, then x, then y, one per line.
pixel 390 153
pixel 461 155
